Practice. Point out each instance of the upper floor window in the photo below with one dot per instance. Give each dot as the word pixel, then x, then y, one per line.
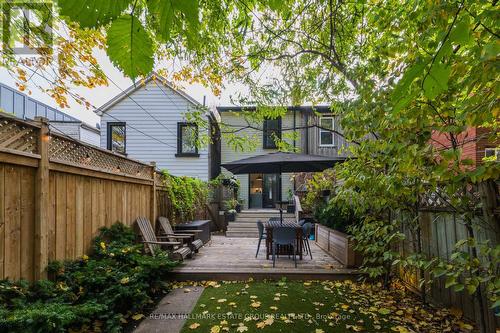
pixel 117 137
pixel 492 152
pixel 187 137
pixel 326 125
pixel 271 132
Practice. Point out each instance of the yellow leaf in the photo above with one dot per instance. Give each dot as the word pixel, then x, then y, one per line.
pixel 215 329
pixel 260 324
pixel 222 300
pixel 273 308
pixel 224 322
pixel 241 328
pixel 255 304
pixel 194 326
pixel 269 321
pixel 319 330
pixel 124 280
pixel 137 316
pixel 307 283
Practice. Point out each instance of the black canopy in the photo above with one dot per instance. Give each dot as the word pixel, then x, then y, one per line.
pixel 282 162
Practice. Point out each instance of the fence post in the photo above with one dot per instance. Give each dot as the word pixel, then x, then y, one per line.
pixel 42 202
pixel 153 195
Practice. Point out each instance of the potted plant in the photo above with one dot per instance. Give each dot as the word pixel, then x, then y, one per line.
pixel 290 208
pixel 230 208
pixel 238 206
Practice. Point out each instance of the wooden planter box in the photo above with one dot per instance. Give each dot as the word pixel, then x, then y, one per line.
pixel 337 245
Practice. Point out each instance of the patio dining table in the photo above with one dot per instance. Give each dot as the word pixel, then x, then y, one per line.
pixel 283 250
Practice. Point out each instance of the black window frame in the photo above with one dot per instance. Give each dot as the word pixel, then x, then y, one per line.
pixel 267 139
pixel 109 138
pixel 180 125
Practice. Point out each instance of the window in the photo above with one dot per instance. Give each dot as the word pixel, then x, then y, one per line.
pixel 490 152
pixel 325 136
pixel 117 137
pixel 187 137
pixel 271 131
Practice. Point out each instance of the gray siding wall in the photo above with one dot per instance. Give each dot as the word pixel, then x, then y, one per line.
pixel 71 129
pixel 169 108
pixel 90 136
pixel 228 154
pixel 314 148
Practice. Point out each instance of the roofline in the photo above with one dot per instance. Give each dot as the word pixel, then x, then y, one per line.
pixel 301 108
pixel 134 87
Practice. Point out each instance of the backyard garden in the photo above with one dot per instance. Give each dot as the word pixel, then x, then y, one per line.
pixel 414 90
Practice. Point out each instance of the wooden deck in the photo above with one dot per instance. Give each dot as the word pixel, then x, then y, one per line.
pixel 226 258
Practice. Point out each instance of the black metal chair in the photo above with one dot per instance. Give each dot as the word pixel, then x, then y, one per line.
pixel 262 235
pixel 284 236
pixel 306 232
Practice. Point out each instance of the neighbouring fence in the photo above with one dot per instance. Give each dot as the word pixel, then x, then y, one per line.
pixel 441 229
pixel 56 192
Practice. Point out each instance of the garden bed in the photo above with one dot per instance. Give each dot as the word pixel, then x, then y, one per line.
pixel 103 292
pixel 338 245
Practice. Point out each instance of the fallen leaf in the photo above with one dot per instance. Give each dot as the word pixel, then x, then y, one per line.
pixel 137 316
pixel 215 329
pixel 194 326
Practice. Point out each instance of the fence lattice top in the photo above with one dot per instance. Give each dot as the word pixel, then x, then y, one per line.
pixel 67 150
pixel 18 136
pixel 22 136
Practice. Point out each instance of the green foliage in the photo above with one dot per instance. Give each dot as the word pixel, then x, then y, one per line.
pixel 100 291
pixel 130 47
pixel 376 240
pixel 466 272
pixel 93 13
pixel 186 195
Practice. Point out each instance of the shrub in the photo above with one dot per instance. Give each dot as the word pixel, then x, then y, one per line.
pixel 96 293
pixel 334 216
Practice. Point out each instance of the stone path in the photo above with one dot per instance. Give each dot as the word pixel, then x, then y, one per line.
pixel 170 315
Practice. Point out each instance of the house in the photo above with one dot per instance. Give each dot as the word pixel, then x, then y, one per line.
pixel 313 126
pixel 147 122
pixel 475 144
pixel 24 107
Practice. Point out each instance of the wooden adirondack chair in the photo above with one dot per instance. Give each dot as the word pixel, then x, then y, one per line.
pixel 175 248
pixel 188 235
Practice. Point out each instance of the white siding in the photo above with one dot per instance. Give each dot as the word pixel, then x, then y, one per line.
pixel 90 136
pixel 71 129
pixel 168 108
pixel 228 154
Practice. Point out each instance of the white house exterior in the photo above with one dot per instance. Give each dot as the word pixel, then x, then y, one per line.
pixel 25 107
pixel 147 122
pixel 262 190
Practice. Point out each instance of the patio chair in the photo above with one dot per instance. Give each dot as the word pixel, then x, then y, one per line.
pixel 167 231
pixel 175 249
pixel 262 235
pixel 284 237
pixel 306 232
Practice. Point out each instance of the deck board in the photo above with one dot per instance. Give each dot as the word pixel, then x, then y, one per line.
pixel 234 258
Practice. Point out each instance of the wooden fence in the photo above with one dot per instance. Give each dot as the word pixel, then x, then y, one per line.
pixel 440 231
pixel 56 192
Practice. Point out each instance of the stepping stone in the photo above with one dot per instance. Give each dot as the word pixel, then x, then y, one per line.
pixel 171 312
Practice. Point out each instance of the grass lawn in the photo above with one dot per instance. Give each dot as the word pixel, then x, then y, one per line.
pixel 315 306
